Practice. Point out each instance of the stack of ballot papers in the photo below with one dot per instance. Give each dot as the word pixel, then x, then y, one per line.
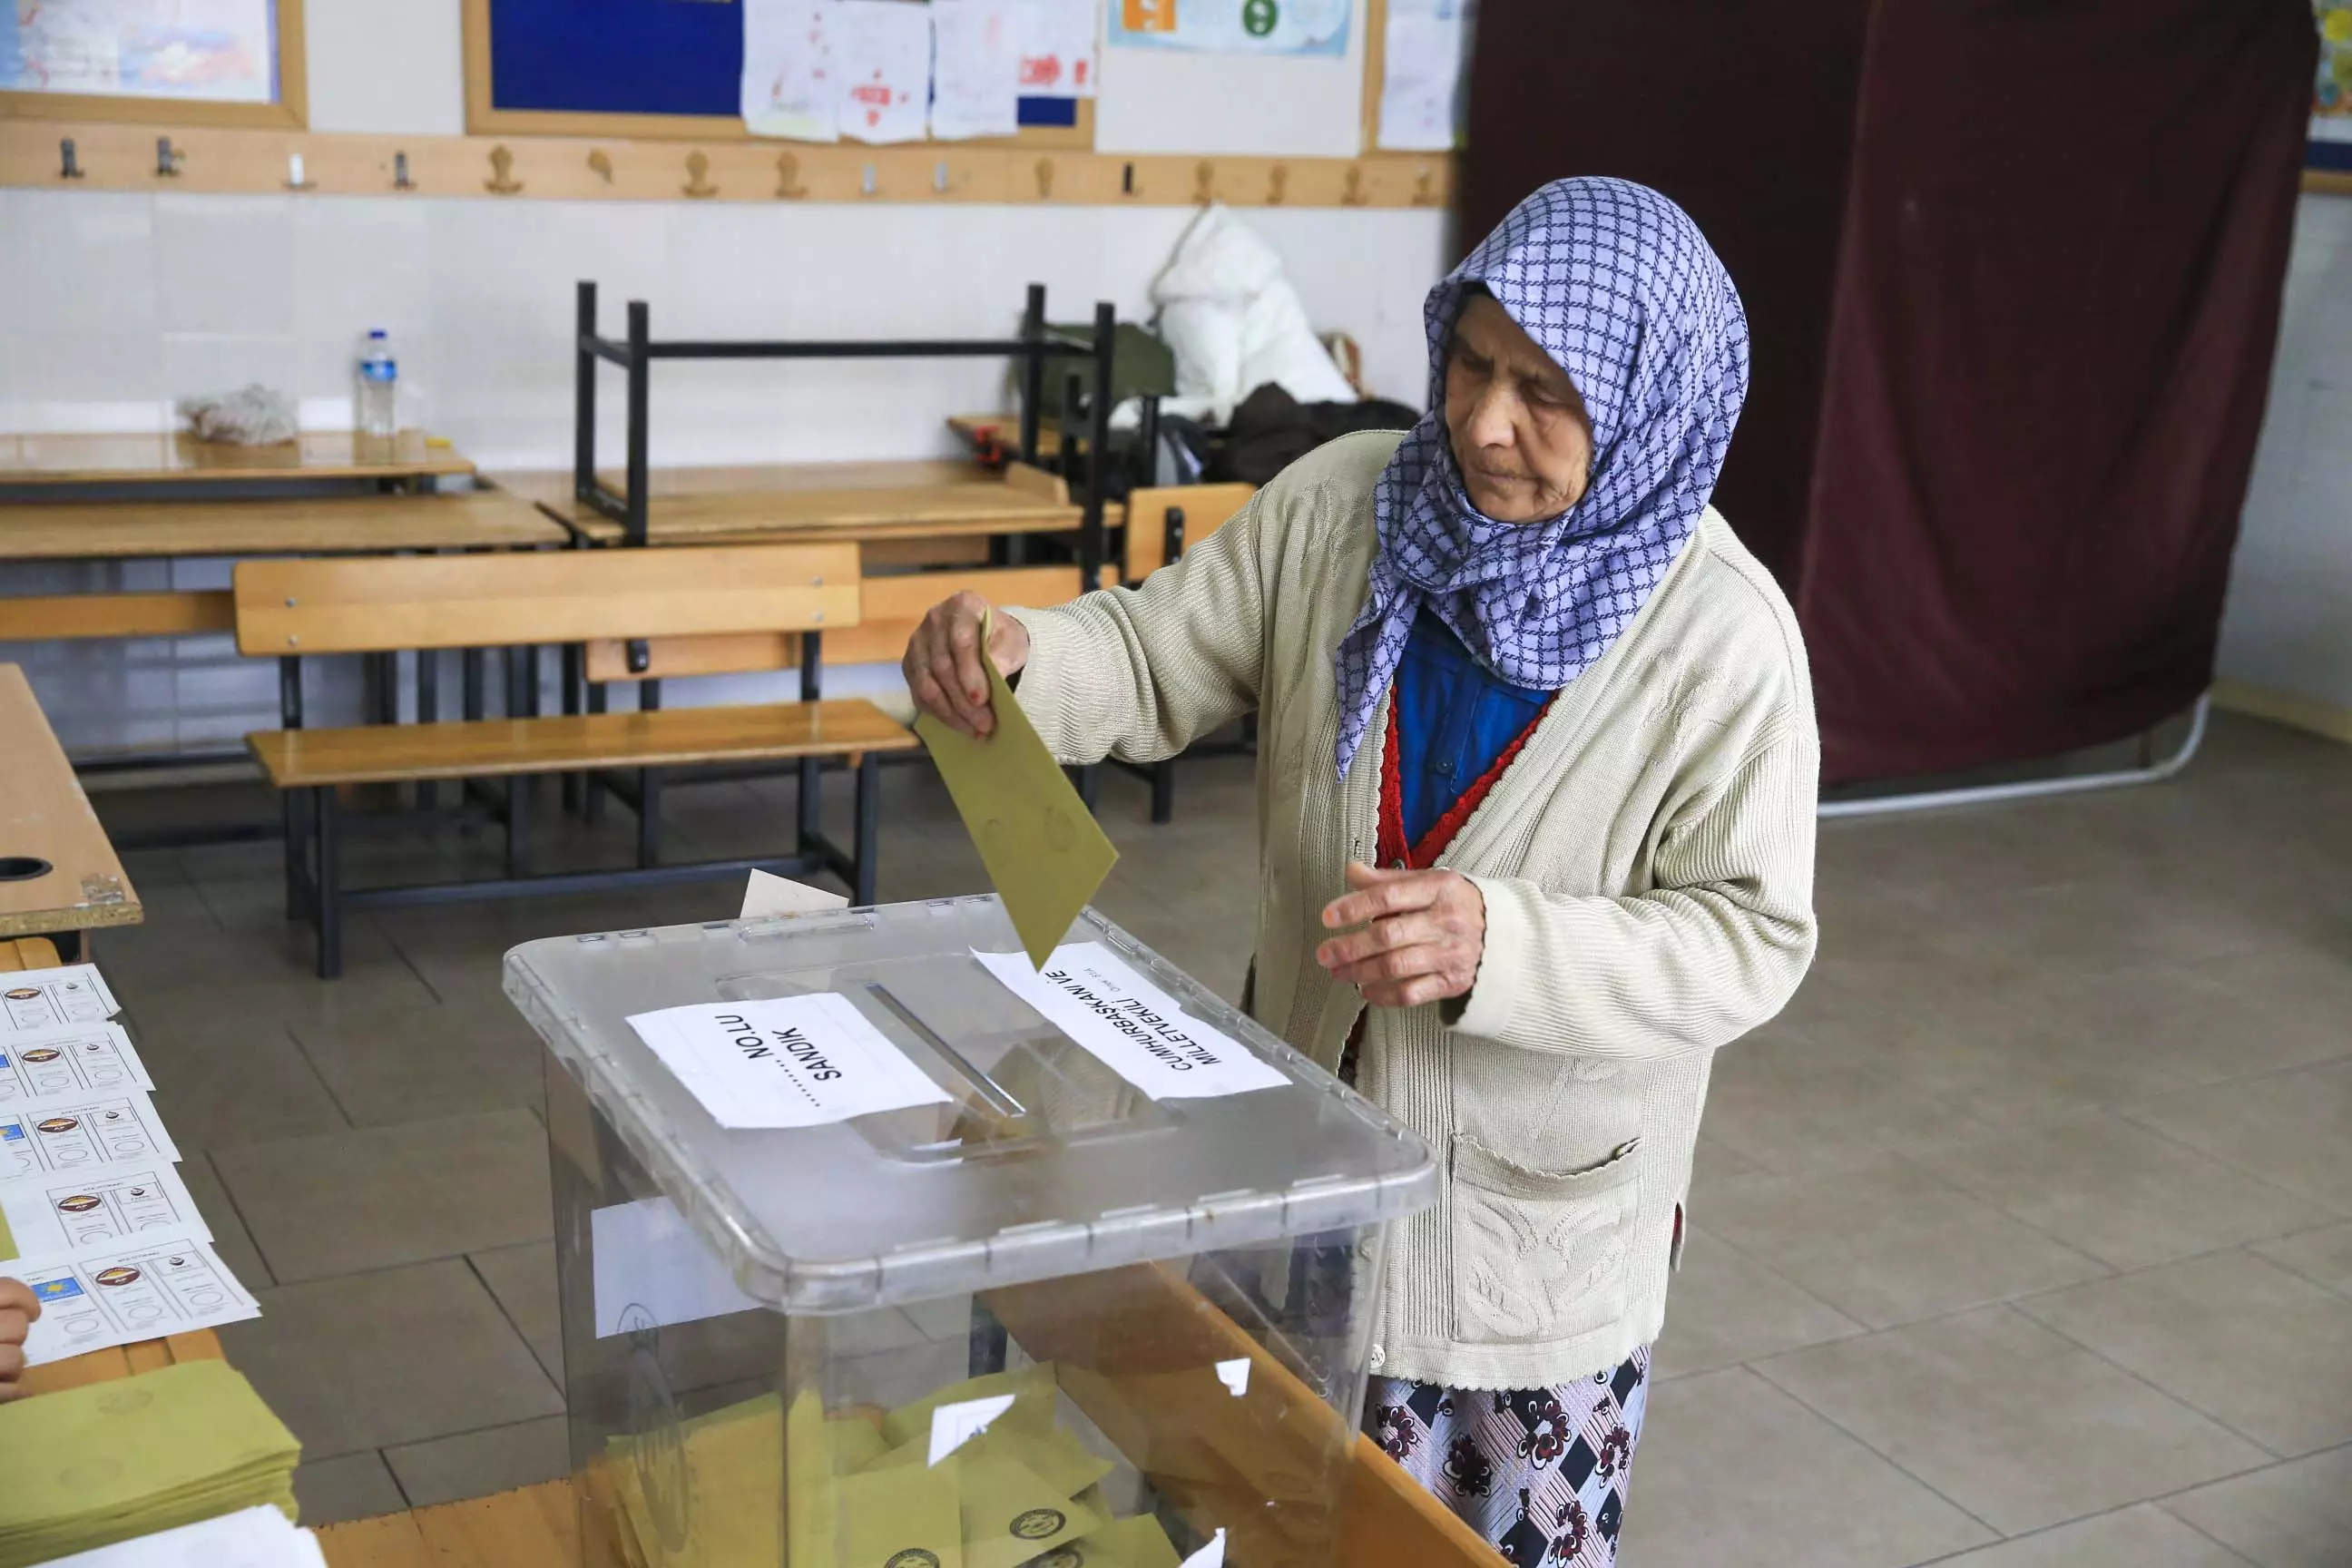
pixel 109 1462
pixel 93 1215
pixel 252 1538
pixel 978 1475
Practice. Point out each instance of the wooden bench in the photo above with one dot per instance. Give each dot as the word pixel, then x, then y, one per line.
pixel 293 609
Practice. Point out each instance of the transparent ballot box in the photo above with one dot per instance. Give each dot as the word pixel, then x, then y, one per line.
pixel 879 1248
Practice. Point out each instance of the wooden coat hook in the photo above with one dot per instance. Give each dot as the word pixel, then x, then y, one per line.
pixel 501 182
pixel 399 180
pixel 1278 182
pixel 601 162
pixel 298 177
pixel 1045 179
pixel 1204 182
pixel 1424 188
pixel 698 170
pixel 1351 195
pixel 788 178
pixel 866 186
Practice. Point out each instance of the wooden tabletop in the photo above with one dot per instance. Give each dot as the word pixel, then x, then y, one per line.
pixel 920 499
pixel 56 531
pixel 537 1527
pixel 181 458
pixel 44 816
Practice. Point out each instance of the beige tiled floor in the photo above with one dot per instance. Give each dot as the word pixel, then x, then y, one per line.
pixel 2031 1218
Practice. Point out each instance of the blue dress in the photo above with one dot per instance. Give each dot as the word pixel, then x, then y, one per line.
pixel 1539 1472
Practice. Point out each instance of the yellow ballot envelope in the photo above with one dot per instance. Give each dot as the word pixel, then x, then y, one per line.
pixel 1044 852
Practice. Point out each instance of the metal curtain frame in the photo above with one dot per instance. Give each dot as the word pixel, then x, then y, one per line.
pixel 1036 346
pixel 2028 789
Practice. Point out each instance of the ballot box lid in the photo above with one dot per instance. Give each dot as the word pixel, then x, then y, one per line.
pixel 1039 1143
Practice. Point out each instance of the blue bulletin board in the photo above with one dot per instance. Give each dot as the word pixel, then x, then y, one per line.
pixel 641 68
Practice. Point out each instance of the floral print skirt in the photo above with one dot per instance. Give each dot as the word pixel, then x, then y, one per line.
pixel 1540 1472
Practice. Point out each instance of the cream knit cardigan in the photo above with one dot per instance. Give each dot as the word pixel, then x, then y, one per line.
pixel 1647 864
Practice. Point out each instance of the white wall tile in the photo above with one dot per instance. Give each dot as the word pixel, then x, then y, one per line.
pixel 76 261
pixel 226 265
pixel 196 364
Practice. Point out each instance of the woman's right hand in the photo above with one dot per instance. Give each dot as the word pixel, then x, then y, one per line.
pixel 942 664
pixel 18 1309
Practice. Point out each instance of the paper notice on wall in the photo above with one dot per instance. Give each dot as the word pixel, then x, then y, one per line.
pixel 975 68
pixel 66 1132
pixel 1233 26
pixel 788 86
pixel 1132 1026
pixel 1057 49
pixel 54 998
pixel 1426 45
pixel 650 1270
pixel 140 1292
pixel 85 1058
pixel 882 64
pixel 68 1215
pixel 789 1061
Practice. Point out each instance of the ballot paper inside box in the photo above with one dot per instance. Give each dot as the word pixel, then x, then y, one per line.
pixel 1067 1271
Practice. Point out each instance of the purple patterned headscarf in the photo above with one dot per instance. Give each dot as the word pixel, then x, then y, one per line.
pixel 1619 287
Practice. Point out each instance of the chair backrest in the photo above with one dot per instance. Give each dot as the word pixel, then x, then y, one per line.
pixel 381 604
pixel 1205 507
pixel 893 603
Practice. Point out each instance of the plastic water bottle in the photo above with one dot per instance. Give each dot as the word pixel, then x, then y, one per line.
pixel 374 406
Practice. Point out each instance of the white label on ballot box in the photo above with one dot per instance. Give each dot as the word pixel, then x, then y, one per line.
pixel 54 998
pixel 68 1215
pixel 789 1061
pixel 73 1132
pixel 651 1270
pixel 1132 1026
pixel 84 1058
pixel 140 1292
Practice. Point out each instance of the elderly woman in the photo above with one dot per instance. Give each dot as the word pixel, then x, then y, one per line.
pixel 1536 790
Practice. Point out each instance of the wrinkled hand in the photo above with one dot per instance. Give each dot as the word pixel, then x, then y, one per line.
pixel 17 1310
pixel 942 664
pixel 1421 934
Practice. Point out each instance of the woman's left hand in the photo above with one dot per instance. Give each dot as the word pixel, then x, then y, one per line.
pixel 1423 935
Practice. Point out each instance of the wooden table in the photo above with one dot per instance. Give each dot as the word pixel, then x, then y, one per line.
pixel 45 817
pixel 181 458
pixel 338 525
pixel 923 499
pixel 1005 431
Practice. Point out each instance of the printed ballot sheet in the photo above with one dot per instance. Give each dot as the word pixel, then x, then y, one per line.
pixel 1130 1025
pixel 84 1059
pixel 788 1061
pixel 65 1132
pixel 140 1292
pixel 43 999
pixel 70 1216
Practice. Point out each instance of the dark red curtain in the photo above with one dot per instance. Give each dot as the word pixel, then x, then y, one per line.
pixel 2014 269
pixel 1741 109
pixel 2057 300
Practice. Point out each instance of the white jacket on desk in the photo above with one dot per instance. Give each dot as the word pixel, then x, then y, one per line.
pixel 1647 862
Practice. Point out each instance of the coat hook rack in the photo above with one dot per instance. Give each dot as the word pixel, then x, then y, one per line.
pixel 399 180
pixel 1352 194
pixel 167 161
pixel 501 182
pixel 1204 182
pixel 1045 179
pixel 601 162
pixel 297 177
pixel 697 169
pixel 1277 184
pixel 68 167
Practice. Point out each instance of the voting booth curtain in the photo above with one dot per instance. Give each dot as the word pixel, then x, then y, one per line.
pixel 2014 275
